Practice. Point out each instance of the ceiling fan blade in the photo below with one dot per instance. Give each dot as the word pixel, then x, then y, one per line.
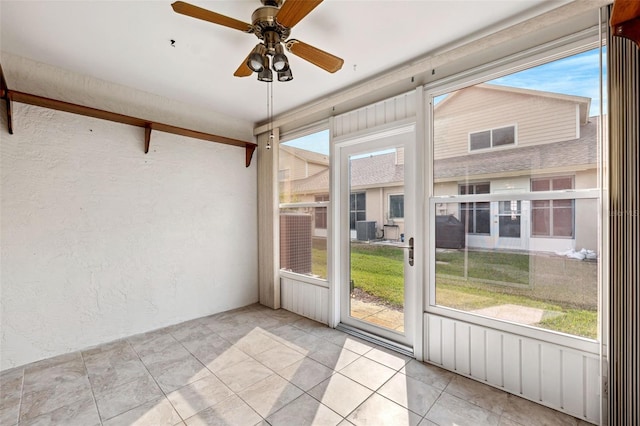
pixel 243 70
pixel 324 60
pixel 292 11
pixel 207 15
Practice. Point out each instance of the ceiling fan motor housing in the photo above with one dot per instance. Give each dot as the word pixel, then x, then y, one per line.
pixel 267 28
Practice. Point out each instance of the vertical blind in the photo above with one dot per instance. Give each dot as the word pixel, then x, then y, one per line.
pixel 624 177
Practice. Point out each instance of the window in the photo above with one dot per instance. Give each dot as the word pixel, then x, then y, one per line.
pixel 509 219
pixel 524 255
pixel 492 138
pixel 320 213
pixel 475 216
pixel 358 208
pixel 552 218
pixel 396 206
pixel 304 200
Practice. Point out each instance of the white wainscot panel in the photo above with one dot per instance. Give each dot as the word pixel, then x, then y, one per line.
pixel 302 298
pixel 562 378
pixel 388 111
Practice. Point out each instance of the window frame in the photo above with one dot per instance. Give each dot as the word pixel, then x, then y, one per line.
pixel 311 205
pixel 542 54
pixel 474 206
pixel 357 210
pixel 491 146
pixel 550 207
pixel 394 218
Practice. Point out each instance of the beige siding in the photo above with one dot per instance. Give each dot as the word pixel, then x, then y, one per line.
pixel 378 114
pixel 538 120
pixel 295 165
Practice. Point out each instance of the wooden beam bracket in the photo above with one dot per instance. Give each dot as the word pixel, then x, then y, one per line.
pixel 11 95
pixel 147 137
pixel 249 150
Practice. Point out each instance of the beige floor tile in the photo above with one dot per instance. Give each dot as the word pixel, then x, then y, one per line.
pixel 199 395
pixel 307 324
pixel 306 373
pixel 333 356
pixel 450 410
pixel 388 357
pixel 410 393
pixel 529 413
pixel 158 412
pixel 255 342
pixel 305 411
pixel 231 411
pixel 57 374
pixel 180 372
pixel 107 373
pixel 80 413
pixel 341 394
pixel 368 372
pixel 278 357
pixel 203 346
pixel 477 393
pixel 119 399
pixel 286 334
pixel 429 374
pixel 269 395
pixel 243 374
pixel 10 394
pixel 220 361
pixel 149 343
pixel 307 343
pixel 52 395
pixel 381 411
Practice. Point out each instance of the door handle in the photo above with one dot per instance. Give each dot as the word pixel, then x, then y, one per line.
pixel 411 251
pixel 410 247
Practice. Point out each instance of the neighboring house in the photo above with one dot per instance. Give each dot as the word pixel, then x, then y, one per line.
pixel 489 139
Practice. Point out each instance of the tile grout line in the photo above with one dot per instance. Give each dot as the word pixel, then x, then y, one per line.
pixel 154 380
pixel 21 395
pixel 93 395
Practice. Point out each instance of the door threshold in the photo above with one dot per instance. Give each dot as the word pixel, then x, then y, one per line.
pixel 397 347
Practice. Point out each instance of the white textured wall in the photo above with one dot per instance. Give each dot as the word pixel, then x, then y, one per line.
pixel 100 241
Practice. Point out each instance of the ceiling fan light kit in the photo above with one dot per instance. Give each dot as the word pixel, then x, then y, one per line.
pixel 272 24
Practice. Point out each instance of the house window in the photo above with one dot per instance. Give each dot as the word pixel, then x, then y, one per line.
pixel 552 218
pixel 358 208
pixel 396 206
pixel 475 216
pixel 509 219
pixel 320 213
pixel 492 138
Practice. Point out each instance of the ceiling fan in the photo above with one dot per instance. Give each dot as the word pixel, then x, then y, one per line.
pixel 272 24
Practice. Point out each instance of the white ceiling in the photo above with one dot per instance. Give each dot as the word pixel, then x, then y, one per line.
pixel 128 42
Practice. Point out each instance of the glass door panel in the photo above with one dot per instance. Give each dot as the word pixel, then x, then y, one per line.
pixel 378 236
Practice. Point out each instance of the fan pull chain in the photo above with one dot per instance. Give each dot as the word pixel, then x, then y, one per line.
pixel 270 112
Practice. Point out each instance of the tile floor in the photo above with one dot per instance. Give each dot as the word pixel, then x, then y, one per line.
pixel 252 366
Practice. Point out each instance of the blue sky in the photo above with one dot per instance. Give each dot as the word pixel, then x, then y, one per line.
pixel 575 75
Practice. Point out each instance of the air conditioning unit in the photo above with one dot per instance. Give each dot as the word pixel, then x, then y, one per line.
pixel 366 230
pixel 296 242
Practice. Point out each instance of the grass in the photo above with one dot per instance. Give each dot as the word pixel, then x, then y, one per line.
pixel 494 266
pixel 378 270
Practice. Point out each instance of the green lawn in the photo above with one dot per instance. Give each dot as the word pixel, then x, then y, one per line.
pixel 378 270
